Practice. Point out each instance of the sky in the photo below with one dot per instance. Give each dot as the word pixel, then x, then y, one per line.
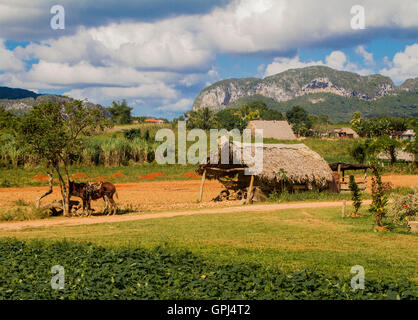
pixel 159 54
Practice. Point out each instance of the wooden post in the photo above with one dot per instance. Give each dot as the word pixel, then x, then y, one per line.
pixel 250 190
pixel 343 210
pixel 339 181
pixel 201 185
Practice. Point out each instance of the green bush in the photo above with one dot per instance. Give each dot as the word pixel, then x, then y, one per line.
pixel 404 206
pixel 93 272
pixel 355 194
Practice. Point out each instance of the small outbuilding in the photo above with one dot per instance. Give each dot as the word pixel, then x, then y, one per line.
pixel 276 129
pixel 346 133
pixel 340 182
pixel 291 167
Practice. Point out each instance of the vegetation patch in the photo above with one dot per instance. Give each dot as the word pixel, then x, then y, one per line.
pixel 93 272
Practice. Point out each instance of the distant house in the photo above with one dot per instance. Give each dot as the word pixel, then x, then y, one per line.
pixel 276 129
pixel 151 120
pixel 407 135
pixel 346 133
pixel 400 155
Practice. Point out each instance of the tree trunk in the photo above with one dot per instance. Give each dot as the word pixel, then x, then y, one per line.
pixel 64 192
pixel 67 188
pixel 50 180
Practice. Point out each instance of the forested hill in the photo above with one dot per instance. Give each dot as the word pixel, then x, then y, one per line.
pixel 16 93
pixel 320 90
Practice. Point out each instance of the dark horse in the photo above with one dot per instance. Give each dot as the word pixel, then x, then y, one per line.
pixel 88 192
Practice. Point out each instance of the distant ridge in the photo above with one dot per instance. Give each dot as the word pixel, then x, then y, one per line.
pixel 16 93
pixel 318 89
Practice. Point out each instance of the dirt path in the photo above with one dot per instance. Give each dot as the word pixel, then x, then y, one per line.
pixel 121 218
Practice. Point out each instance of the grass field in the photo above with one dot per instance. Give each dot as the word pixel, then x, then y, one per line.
pixel 315 239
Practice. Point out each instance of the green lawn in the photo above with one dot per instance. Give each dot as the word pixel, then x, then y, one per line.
pixel 291 240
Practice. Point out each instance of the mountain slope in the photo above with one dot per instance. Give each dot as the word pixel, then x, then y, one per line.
pixel 319 89
pixel 16 93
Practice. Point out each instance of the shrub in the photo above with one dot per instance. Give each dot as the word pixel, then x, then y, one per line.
pixel 132 133
pixel 20 214
pixel 355 194
pixel 403 207
pixel 379 203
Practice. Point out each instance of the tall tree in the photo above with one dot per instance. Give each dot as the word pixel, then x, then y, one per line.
pixel 203 118
pixel 120 112
pixel 299 118
pixel 54 132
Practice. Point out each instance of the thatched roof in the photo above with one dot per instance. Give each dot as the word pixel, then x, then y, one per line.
pixel 400 155
pixel 295 164
pixel 349 131
pixel 276 129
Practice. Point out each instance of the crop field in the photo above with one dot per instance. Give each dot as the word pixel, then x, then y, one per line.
pixel 301 253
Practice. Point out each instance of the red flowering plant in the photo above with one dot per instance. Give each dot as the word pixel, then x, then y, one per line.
pixel 404 207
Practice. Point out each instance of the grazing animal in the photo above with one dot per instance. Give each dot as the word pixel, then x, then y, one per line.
pixel 88 192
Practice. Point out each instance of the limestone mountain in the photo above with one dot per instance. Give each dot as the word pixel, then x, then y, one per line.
pixel 319 89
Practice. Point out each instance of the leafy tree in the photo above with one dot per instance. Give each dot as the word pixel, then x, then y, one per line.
pixel 8 120
pixel 120 112
pixel 227 119
pixel 355 194
pixel 258 109
pixel 203 118
pixel 299 119
pixel 376 127
pixel 387 145
pixel 361 150
pixel 321 123
pixel 54 131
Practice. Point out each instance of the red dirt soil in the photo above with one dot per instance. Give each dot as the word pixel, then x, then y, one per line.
pixel 155 195
pixel 191 175
pixel 79 175
pixel 40 177
pixel 151 176
pixel 117 174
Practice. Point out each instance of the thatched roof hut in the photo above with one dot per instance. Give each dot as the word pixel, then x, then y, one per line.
pixel 276 129
pixel 400 155
pixel 291 166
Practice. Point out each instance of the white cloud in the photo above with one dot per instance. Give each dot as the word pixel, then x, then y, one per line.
pixel 182 105
pixel 150 60
pixel 367 56
pixel 282 64
pixel 404 65
pixel 8 60
pixel 336 60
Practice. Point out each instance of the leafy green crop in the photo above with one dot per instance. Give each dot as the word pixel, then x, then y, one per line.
pixel 93 272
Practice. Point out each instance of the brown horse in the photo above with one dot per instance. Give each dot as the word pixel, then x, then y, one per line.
pixel 88 192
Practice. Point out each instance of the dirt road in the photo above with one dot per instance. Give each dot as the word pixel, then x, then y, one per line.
pixel 120 218
pixel 161 196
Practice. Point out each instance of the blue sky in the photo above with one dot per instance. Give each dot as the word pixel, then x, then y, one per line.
pixel 159 54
